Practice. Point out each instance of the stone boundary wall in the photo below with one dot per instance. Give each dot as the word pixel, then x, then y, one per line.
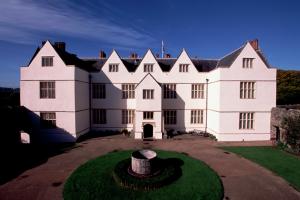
pixel 277 116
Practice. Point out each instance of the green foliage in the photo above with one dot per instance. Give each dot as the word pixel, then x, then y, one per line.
pixel 292 125
pixel 288 87
pixel 94 180
pixel 274 159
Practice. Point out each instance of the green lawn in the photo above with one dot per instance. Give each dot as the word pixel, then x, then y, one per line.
pixel 93 180
pixel 281 163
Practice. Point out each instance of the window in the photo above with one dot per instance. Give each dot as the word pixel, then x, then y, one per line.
pixel 246 120
pixel 196 116
pixel 148 94
pixel 128 91
pixel 148 67
pixel 169 91
pixel 47 90
pixel 170 117
pixel 98 91
pixel 47 61
pixel 247 90
pixel 148 115
pixel 127 116
pixel 99 116
pixel 248 62
pixel 113 67
pixel 48 120
pixel 183 68
pixel 198 91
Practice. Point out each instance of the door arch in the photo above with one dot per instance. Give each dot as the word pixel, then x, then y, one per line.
pixel 148 131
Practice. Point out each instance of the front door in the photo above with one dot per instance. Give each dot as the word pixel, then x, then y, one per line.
pixel 148 131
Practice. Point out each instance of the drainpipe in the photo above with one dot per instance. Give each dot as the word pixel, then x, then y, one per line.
pixel 206 105
pixel 90 100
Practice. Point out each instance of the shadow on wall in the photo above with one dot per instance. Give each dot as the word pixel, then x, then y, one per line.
pixel 168 104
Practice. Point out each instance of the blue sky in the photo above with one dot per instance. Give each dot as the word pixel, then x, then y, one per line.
pixel 206 29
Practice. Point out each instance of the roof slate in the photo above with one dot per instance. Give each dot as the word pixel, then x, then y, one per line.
pixel 227 60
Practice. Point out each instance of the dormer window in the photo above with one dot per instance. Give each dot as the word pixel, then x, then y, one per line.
pixel 183 68
pixel 47 61
pixel 248 62
pixel 148 67
pixel 113 67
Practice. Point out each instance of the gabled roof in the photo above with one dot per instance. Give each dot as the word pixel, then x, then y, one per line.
pixel 166 64
pixel 204 65
pixel 227 60
pixel 131 63
pixel 148 74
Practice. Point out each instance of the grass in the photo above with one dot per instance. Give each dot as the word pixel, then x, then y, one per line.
pixel 280 162
pixel 93 180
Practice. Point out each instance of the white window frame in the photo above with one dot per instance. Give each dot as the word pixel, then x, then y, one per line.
pixel 127 116
pixel 48 120
pixel 113 67
pixel 197 116
pixel 128 91
pixel 99 116
pixel 47 61
pixel 98 91
pixel 248 63
pixel 170 117
pixel 148 115
pixel 148 67
pixel 197 91
pixel 47 89
pixel 246 120
pixel 183 67
pixel 170 91
pixel 148 94
pixel 247 89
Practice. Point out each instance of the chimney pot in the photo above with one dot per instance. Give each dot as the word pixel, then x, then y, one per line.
pixel 254 44
pixel 60 45
pixel 157 55
pixel 133 55
pixel 167 55
pixel 102 54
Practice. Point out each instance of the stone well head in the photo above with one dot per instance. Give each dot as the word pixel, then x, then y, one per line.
pixel 142 161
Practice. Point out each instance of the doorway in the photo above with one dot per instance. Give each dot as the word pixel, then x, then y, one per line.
pixel 148 131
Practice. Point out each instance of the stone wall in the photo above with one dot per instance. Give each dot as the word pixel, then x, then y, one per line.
pixel 277 116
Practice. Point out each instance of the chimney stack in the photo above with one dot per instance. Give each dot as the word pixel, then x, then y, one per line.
pixel 167 55
pixel 102 54
pixel 133 55
pixel 60 45
pixel 254 44
pixel 157 55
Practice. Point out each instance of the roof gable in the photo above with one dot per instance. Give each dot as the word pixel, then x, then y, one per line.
pixel 228 59
pixel 147 76
pixel 183 58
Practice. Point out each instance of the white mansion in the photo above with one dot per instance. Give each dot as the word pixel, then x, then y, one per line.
pixel 67 96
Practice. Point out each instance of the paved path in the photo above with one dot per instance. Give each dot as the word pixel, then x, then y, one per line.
pixel 241 178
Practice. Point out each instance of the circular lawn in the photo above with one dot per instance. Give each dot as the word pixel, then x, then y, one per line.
pixel 95 180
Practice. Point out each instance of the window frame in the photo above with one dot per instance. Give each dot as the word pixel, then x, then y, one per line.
pixel 170 117
pixel 148 115
pixel 246 120
pixel 47 90
pixel 247 89
pixel 184 68
pixel 47 61
pixel 148 67
pixel 113 67
pixel 48 120
pixel 248 63
pixel 128 91
pixel 169 91
pixel 127 116
pixel 98 90
pixel 99 116
pixel 197 116
pixel 148 93
pixel 197 91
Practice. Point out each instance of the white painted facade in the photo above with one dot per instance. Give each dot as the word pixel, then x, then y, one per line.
pixel 73 103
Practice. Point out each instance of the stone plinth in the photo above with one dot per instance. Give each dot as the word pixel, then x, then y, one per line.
pixel 142 160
